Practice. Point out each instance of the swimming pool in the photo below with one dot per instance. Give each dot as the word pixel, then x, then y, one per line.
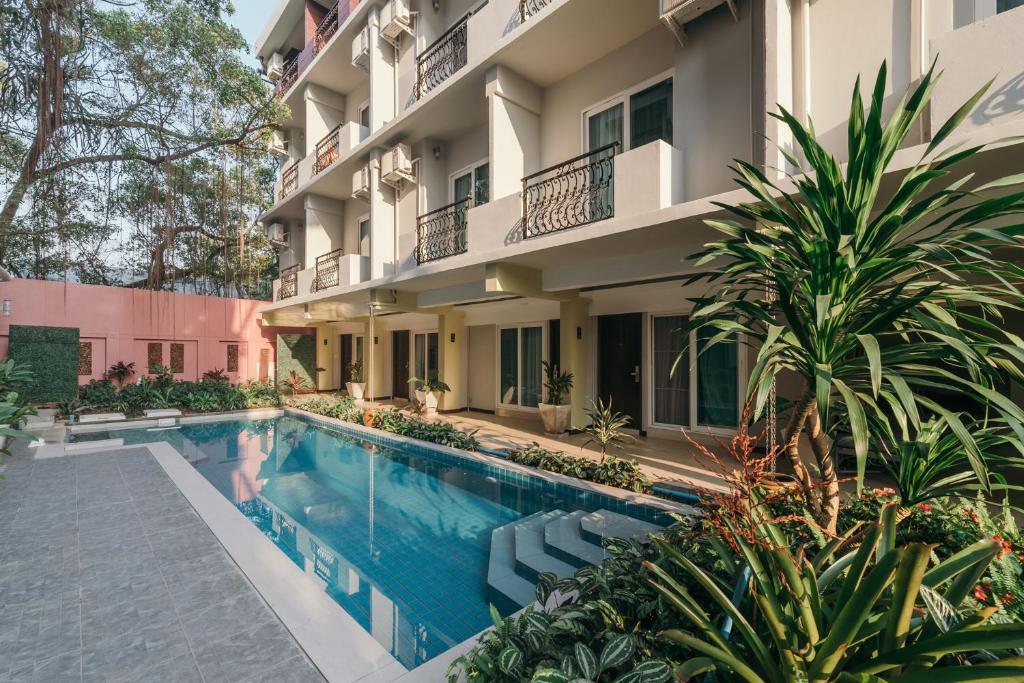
pixel 398 535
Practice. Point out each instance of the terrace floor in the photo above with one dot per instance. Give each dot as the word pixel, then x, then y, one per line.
pixel 108 574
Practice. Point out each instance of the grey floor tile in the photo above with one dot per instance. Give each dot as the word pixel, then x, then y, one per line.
pixel 295 670
pixel 246 655
pixel 128 656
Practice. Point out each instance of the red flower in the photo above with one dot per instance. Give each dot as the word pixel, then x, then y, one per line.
pixel 980 593
pixel 1006 598
pixel 1005 547
pixel 973 516
pixel 926 508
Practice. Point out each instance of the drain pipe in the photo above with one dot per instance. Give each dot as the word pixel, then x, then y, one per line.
pixel 368 351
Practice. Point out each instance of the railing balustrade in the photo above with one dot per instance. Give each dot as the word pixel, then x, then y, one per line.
pixel 573 193
pixel 327 150
pixel 289 282
pixel 527 8
pixel 326 29
pixel 289 75
pixel 328 268
pixel 443 58
pixel 289 180
pixel 442 232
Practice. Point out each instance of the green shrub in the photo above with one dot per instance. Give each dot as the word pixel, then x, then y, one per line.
pixel 611 471
pixel 52 355
pixel 98 394
pixel 259 395
pixel 435 432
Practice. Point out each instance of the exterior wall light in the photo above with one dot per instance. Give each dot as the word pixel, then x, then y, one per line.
pixel 7 308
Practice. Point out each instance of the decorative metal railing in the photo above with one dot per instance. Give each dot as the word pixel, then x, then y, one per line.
pixel 442 232
pixel 572 193
pixel 327 150
pixel 442 59
pixel 327 28
pixel 289 180
pixel 289 75
pixel 328 267
pixel 527 8
pixel 289 282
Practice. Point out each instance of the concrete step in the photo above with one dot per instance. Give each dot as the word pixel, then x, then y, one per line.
pixel 597 526
pixel 531 558
pixel 501 566
pixel 563 539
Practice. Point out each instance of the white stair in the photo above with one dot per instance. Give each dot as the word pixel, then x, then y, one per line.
pixel 501 567
pixel 531 558
pixel 603 524
pixel 562 537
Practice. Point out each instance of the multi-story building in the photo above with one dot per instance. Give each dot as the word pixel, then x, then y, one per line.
pixel 469 188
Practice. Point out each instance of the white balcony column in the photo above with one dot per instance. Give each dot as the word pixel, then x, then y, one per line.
pixel 574 326
pixel 374 360
pixel 382 75
pixel 324 226
pixel 326 340
pixel 382 221
pixel 295 252
pixel 296 147
pixel 453 359
pixel 514 105
pixel 325 109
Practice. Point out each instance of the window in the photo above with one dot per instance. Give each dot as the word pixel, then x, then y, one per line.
pixel 84 358
pixel 705 393
pixel 425 355
pixel 232 364
pixel 472 182
pixel 177 358
pixel 364 235
pixel 522 350
pixel 632 118
pixel 966 12
pixel 363 114
pixel 359 349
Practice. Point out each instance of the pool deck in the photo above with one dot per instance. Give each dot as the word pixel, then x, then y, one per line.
pixel 108 574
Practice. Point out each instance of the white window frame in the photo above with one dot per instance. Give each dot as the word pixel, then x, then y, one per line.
pixel 359 243
pixel 365 106
pixel 623 98
pixel 741 375
pixel 471 170
pixel 544 342
pixel 412 353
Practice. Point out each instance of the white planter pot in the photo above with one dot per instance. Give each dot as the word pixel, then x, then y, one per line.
pixel 428 400
pixel 356 389
pixel 555 418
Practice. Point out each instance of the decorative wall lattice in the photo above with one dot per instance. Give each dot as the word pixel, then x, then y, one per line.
pixel 177 358
pixel 84 358
pixel 232 357
pixel 154 354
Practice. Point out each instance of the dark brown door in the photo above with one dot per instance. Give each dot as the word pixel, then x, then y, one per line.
pixel 346 359
pixel 619 356
pixel 400 363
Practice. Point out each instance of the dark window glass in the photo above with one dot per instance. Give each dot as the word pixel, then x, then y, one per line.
pixel 650 114
pixel 671 389
pixel 717 390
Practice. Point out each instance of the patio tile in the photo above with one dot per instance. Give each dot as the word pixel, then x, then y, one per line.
pixel 246 655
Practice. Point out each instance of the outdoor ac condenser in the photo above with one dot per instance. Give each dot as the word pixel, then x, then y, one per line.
pixel 361 49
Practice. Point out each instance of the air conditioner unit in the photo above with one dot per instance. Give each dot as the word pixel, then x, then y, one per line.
pixel 277 235
pixel 677 13
pixel 395 18
pixel 361 49
pixel 396 165
pixel 361 182
pixel 275 66
pixel 278 144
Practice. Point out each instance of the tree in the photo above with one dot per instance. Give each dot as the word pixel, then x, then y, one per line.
pixel 889 307
pixel 92 84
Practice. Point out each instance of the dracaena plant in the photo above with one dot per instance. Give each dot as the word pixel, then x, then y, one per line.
pixel 886 303
pixel 867 614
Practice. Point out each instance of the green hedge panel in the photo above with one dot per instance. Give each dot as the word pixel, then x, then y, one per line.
pixel 52 353
pixel 296 352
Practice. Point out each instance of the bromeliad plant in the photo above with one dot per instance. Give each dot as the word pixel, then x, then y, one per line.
pixel 887 305
pixel 859 615
pixel 605 428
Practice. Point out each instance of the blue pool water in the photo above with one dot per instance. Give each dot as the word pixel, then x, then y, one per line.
pixel 398 535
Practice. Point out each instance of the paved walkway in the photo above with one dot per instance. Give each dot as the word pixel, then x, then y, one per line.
pixel 108 574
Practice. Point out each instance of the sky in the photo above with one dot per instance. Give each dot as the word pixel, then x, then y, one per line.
pixel 250 16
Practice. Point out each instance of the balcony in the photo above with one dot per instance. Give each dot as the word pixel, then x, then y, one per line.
pixel 289 75
pixel 327 28
pixel 570 194
pixel 527 8
pixel 336 143
pixel 327 270
pixel 442 233
pixel 443 58
pixel 289 180
pixel 325 31
pixel 289 283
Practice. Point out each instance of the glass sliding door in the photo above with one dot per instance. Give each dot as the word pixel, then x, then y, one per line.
pixel 717 382
pixel 519 367
pixel 424 353
pixel 671 389
pixel 603 128
pixel 650 115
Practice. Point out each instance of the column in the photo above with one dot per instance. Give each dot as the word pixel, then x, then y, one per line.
pixel 382 75
pixel 382 221
pixel 453 359
pixel 514 105
pixel 574 326
pixel 325 109
pixel 374 359
pixel 324 226
pixel 326 340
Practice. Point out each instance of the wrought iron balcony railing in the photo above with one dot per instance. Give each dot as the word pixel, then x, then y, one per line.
pixel 443 58
pixel 289 282
pixel 327 28
pixel 573 193
pixel 327 150
pixel 527 8
pixel 289 75
pixel 289 180
pixel 328 267
pixel 442 232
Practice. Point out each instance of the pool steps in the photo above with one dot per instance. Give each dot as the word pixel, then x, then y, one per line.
pixel 556 541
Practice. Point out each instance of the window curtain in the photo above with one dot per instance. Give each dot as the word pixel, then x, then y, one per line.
pixel 481 184
pixel 432 356
pixel 532 343
pixel 717 390
pixel 510 366
pixel 671 390
pixel 420 356
pixel 650 115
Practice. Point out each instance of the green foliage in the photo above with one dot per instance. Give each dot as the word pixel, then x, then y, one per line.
pixel 558 384
pixel 295 383
pixel 52 355
pixel 121 371
pixel 846 613
pixel 605 428
pixel 98 393
pixel 441 433
pixel 162 374
pixel 198 397
pixel 13 375
pixel 888 305
pixel 13 407
pixel 215 375
pixel 296 355
pixel 339 407
pixel 611 471
pixel 356 371
pixel 430 385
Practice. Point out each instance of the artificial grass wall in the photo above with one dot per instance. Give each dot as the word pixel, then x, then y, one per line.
pixel 296 352
pixel 52 354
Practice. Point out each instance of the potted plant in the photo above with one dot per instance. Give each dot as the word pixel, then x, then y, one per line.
pixel 356 386
pixel 427 391
pixel 120 371
pixel 556 414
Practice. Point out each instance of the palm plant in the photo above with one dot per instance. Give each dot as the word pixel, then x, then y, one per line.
pixel 13 375
pixel 557 383
pixel 605 428
pixel 356 371
pixel 879 303
pixel 876 613
pixel 120 372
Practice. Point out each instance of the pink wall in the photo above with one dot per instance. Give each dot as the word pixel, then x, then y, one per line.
pixel 121 322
